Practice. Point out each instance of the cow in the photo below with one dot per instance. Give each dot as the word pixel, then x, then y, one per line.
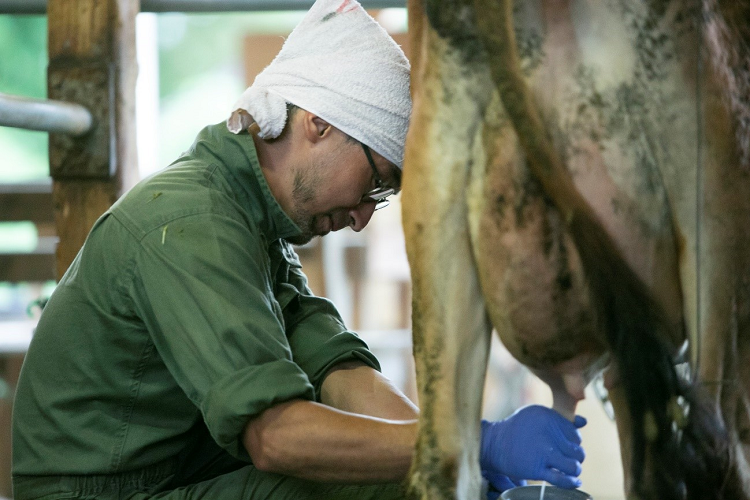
pixel 577 177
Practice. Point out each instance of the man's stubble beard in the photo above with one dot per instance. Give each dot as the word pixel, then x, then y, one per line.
pixel 305 185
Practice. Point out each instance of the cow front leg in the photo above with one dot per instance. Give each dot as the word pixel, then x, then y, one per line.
pixel 451 333
pixel 451 342
pixel 450 326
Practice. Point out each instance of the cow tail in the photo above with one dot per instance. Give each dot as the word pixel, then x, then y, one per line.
pixel 678 444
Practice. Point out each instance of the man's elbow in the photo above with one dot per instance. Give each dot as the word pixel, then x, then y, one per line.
pixel 267 440
pixel 260 445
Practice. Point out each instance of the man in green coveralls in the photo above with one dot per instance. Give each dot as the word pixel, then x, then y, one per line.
pixel 182 355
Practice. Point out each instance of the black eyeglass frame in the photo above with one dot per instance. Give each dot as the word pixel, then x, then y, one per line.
pixel 381 192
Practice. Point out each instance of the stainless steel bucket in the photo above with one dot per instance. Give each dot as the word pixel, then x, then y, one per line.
pixel 550 493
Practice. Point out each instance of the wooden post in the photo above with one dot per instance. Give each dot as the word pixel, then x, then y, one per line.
pixel 10 366
pixel 92 63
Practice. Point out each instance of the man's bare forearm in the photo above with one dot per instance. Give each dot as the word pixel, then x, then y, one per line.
pixel 357 388
pixel 317 442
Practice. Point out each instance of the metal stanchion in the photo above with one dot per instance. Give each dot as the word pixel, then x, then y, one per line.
pixel 40 6
pixel 44 115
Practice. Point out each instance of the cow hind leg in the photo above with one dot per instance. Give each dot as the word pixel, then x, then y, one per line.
pixel 678 448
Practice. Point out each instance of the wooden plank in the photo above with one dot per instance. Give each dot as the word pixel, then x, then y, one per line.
pixel 15 267
pixel 93 40
pixel 26 202
pixel 37 265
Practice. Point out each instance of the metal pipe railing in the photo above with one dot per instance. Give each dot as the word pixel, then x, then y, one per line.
pixel 40 6
pixel 44 115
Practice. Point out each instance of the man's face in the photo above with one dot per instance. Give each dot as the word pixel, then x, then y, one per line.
pixel 329 187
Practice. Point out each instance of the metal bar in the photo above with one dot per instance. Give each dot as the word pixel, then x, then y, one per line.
pixel 247 5
pixel 23 7
pixel 41 187
pixel 44 115
pixel 40 6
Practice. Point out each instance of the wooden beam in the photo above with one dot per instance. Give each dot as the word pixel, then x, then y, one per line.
pixel 26 202
pixel 17 267
pixel 91 47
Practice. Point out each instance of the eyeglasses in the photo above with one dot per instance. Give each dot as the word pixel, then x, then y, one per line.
pixel 381 192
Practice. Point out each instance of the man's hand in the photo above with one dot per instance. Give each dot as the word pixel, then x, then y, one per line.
pixel 533 443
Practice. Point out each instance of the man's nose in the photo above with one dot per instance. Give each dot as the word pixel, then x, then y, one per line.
pixel 360 215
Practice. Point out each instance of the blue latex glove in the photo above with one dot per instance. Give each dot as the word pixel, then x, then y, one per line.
pixel 499 483
pixel 533 443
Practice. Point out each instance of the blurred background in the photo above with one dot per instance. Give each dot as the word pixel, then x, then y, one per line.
pixel 192 67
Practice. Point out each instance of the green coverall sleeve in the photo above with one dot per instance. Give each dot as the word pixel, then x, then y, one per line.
pixel 203 288
pixel 317 334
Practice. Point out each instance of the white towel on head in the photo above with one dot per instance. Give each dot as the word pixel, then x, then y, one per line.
pixel 341 65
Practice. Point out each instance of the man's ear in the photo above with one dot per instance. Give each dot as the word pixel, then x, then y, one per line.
pixel 315 127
